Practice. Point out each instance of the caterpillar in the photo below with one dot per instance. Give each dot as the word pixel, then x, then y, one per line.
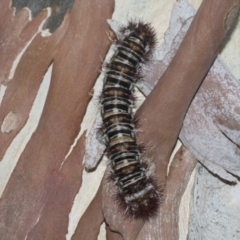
pixel 137 192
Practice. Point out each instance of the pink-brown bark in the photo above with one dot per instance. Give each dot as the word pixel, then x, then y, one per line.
pixel 15 32
pixel 38 197
pixel 210 129
pixel 27 79
pixel 92 217
pixel 168 220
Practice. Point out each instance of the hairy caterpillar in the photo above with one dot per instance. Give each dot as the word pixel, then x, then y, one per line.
pixel 138 193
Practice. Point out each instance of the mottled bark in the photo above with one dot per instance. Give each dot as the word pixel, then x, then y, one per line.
pixel 38 198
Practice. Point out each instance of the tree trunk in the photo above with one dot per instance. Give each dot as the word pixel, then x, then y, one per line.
pixel 49 111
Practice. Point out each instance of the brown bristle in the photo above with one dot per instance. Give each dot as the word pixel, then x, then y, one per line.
pixel 111 177
pixel 150 33
pixel 136 122
pixel 139 76
pixel 131 26
pixel 142 208
pixel 142 148
pixel 107 65
pixel 100 129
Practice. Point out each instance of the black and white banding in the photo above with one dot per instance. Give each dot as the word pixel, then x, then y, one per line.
pixel 137 192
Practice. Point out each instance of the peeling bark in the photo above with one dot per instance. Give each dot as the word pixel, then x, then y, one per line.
pixel 214 208
pixel 83 231
pixel 211 126
pixel 27 79
pixel 15 33
pixel 168 220
pixel 38 198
